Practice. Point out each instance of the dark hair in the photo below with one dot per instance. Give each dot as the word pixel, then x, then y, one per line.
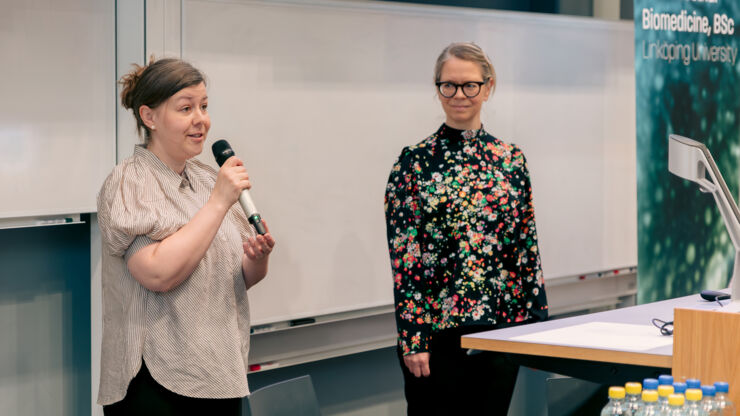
pixel 153 84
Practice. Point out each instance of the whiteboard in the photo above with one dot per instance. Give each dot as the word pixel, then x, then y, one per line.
pixel 319 99
pixel 57 112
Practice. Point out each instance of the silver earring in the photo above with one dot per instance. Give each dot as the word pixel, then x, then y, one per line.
pixel 153 127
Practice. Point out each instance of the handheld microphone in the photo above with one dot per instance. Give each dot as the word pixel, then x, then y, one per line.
pixel 222 151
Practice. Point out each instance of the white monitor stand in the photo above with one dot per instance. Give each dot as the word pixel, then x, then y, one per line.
pixel 691 160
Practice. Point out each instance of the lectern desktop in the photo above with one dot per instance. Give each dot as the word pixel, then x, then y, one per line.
pixel 705 344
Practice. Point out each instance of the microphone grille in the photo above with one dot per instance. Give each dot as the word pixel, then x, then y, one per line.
pixel 222 151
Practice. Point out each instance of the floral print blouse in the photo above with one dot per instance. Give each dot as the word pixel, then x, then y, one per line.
pixel 462 237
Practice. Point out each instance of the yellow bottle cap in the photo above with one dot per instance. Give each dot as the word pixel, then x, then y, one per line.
pixel 633 387
pixel 665 390
pixel 616 392
pixel 676 400
pixel 693 395
pixel 649 396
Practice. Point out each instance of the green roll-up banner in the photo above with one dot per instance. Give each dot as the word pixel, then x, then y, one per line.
pixel 688 83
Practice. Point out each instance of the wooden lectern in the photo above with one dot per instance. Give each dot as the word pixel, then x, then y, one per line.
pixel 706 345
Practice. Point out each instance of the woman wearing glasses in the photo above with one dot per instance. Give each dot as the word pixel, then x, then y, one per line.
pixel 463 247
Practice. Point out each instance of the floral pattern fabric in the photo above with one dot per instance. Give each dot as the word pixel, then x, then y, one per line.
pixel 462 238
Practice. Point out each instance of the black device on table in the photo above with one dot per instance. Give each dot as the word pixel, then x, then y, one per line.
pixel 713 295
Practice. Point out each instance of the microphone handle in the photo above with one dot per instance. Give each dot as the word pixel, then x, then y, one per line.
pixel 252 215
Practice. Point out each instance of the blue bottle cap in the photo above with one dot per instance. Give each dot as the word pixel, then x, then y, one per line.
pixel 722 386
pixel 665 379
pixel 693 383
pixel 650 384
pixel 679 387
pixel 708 390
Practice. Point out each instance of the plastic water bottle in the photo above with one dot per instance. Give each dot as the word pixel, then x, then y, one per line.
pixel 693 403
pixel 675 405
pixel 721 399
pixel 650 406
pixel 679 387
pixel 693 383
pixel 665 379
pixel 633 391
pixel 616 405
pixel 664 391
pixel 707 401
pixel 650 384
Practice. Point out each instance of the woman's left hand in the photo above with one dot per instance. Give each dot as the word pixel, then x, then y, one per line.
pixel 259 247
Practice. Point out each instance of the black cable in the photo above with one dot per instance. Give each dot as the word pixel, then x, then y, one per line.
pixel 666 328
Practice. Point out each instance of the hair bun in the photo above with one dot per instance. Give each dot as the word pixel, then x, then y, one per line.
pixel 129 82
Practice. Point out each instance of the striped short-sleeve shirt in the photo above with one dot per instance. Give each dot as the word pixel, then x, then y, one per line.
pixel 195 337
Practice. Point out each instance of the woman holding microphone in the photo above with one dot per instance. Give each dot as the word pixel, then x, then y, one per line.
pixel 178 258
pixel 463 248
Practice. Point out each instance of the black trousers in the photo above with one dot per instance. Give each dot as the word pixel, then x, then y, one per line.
pixel 146 397
pixel 460 383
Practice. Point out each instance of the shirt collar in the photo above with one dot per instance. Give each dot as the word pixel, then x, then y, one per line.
pixel 169 175
pixel 454 135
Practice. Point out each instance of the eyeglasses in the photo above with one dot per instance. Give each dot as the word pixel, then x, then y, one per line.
pixel 470 89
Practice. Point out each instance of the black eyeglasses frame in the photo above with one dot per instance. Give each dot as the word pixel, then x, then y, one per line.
pixel 460 87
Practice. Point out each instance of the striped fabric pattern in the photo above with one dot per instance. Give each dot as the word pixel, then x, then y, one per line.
pixel 194 338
